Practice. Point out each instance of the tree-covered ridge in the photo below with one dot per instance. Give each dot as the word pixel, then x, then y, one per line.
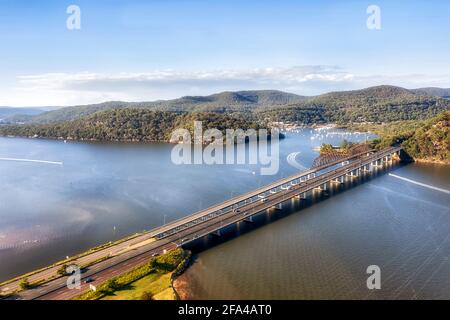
pixel 128 125
pixel 375 104
pixel 422 140
pixel 433 91
pixel 431 141
pixel 224 102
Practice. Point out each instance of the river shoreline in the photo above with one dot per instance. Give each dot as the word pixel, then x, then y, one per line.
pixel 181 286
pixel 432 161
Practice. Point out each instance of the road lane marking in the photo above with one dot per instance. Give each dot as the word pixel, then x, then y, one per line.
pixel 420 183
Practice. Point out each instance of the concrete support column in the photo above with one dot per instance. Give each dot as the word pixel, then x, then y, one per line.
pixel 301 196
pixel 278 207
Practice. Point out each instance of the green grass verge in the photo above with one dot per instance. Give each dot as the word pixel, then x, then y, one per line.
pixel 156 285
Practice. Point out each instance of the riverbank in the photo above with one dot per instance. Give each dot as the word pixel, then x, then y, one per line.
pixel 432 161
pixel 182 287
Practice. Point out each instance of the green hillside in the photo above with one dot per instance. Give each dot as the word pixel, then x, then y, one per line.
pixel 427 140
pixel 154 121
pixel 128 125
pixel 225 102
pixel 433 91
pixel 375 104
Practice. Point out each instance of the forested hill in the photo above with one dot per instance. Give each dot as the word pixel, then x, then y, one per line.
pixel 128 125
pixel 432 140
pixel 225 102
pixel 375 104
pixel 432 91
pixel 427 140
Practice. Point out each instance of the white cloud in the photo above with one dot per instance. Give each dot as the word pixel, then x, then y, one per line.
pixel 89 87
pixel 88 81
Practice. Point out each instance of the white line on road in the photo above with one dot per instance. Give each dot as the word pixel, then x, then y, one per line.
pixel 32 160
pixel 420 183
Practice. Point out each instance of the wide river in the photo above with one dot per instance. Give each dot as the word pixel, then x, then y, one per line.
pixel 104 191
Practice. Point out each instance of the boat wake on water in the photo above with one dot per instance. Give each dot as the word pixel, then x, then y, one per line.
pixel 420 183
pixel 293 162
pixel 32 160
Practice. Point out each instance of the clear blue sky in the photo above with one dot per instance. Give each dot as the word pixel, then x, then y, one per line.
pixel 145 50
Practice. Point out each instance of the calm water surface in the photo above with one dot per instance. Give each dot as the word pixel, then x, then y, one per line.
pixel 103 192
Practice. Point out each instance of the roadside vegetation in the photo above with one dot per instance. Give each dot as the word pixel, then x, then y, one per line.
pixel 151 280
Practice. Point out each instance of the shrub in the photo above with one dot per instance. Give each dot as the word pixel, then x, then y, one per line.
pixel 24 284
pixel 62 271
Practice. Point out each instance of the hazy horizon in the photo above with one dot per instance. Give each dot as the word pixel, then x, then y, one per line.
pixel 243 90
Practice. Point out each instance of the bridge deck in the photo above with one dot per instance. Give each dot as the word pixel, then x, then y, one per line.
pixel 287 187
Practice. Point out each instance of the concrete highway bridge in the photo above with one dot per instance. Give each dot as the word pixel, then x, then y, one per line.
pixel 243 207
pixel 209 221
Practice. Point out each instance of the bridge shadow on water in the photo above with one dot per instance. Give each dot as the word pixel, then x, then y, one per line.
pixel 292 206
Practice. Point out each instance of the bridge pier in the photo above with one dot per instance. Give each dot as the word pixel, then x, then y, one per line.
pixel 352 174
pixel 278 207
pixel 322 187
pixel 301 196
pixel 338 180
pixel 378 163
